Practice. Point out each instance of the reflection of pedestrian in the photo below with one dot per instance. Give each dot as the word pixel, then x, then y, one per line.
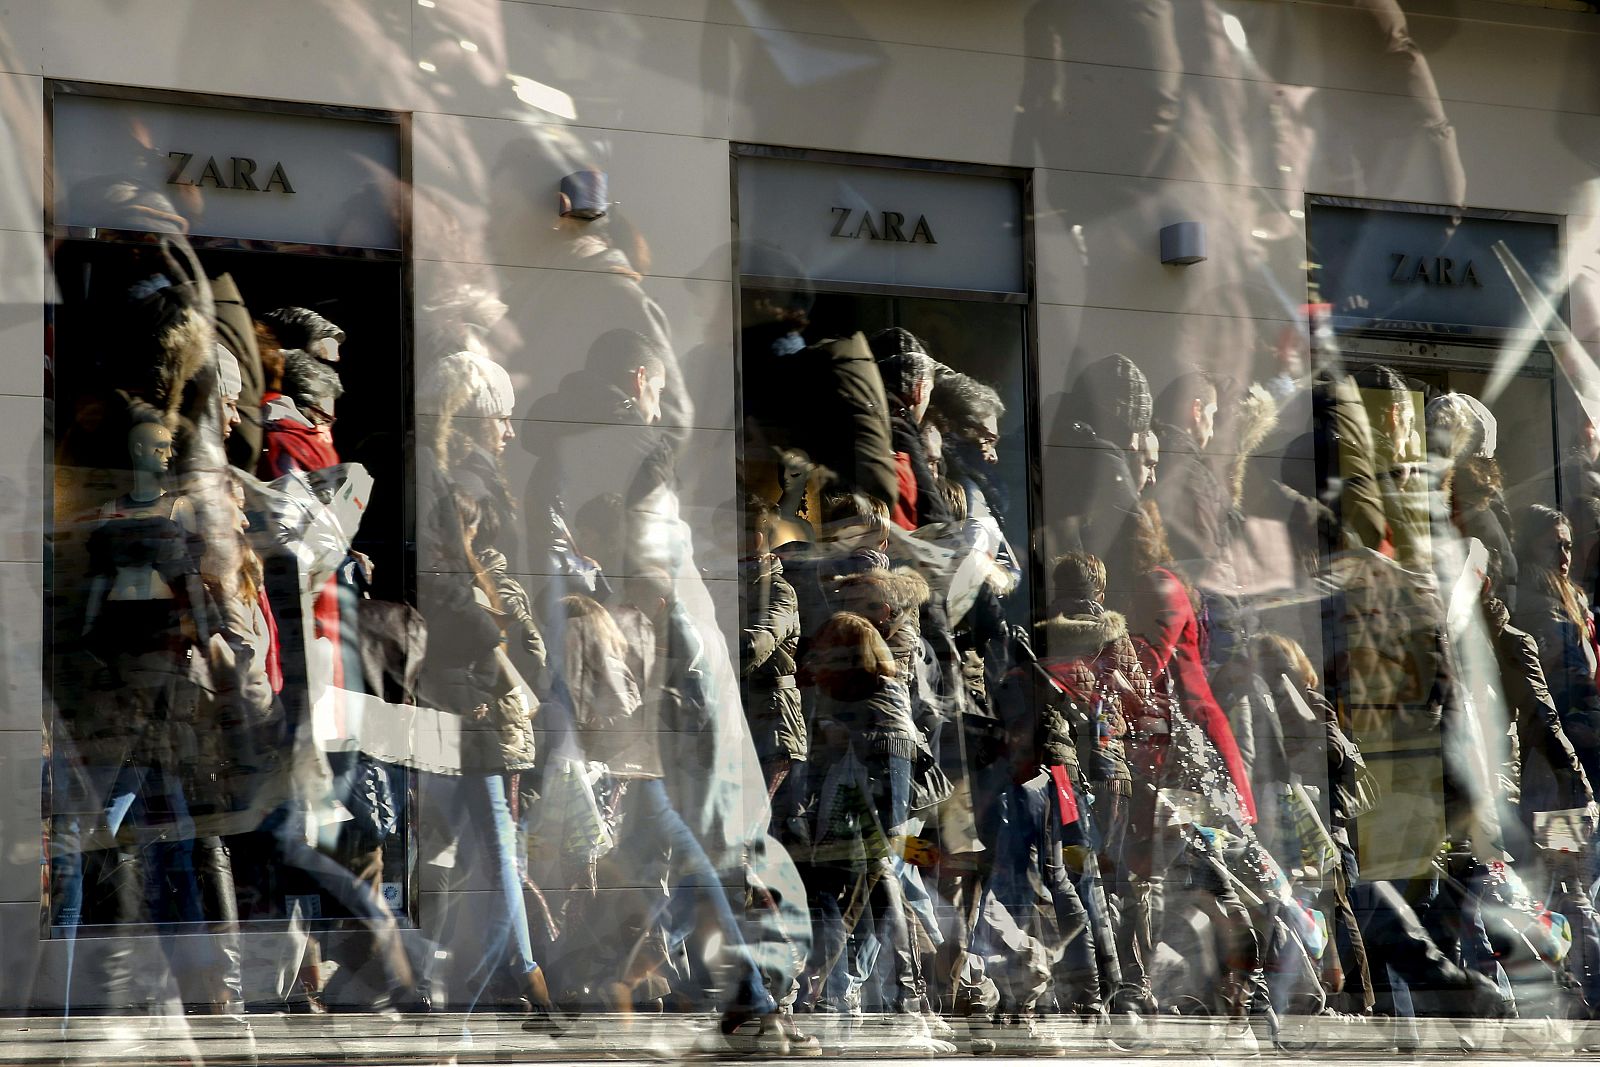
pixel 768 646
pixel 1556 614
pixel 298 420
pixel 1107 414
pixel 1089 653
pixel 866 744
pixel 466 673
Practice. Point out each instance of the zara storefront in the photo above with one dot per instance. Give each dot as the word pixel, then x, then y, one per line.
pixel 524 180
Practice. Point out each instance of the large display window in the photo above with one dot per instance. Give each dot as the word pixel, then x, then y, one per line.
pixel 228 384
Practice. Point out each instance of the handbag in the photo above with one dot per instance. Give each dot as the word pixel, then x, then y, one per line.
pixel 930 786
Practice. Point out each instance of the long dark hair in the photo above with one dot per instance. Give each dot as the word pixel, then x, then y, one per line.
pixel 458 514
pixel 1535 525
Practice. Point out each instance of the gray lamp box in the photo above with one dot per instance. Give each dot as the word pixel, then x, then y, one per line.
pixel 584 194
pixel 1183 243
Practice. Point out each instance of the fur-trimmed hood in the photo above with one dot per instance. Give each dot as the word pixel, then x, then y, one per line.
pixel 1257 417
pixel 1082 634
pixel 907 589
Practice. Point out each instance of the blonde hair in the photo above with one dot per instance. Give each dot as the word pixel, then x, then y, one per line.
pixel 848 644
pixel 1277 654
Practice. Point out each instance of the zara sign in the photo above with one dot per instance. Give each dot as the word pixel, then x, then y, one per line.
pixel 243 173
pixel 908 227
pixel 1424 269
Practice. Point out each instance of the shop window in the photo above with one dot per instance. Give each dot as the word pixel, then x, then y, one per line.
pixel 229 385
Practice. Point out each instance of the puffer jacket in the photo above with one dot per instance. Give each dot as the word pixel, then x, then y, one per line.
pixel 524 643
pixel 768 647
pixel 907 591
pixel 464 673
pixel 879 723
pixel 1083 644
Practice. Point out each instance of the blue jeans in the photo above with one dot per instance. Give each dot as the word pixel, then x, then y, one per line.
pixel 652 825
pixel 480 823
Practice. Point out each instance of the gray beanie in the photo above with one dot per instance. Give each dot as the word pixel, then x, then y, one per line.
pixel 1114 396
pixel 469 384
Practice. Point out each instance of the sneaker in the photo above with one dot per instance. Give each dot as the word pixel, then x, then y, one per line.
pixel 1237 1038
pixel 1017 1034
pixel 912 1035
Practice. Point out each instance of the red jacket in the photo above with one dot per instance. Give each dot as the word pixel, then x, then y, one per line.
pixel 1169 639
pixel 292 445
pixel 904 512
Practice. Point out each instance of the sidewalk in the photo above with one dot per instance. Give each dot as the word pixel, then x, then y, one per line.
pixel 490 1038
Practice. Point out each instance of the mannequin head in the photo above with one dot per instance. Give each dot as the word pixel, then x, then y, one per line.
pixel 150 447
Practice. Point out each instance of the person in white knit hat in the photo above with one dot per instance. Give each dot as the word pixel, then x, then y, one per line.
pixel 475 402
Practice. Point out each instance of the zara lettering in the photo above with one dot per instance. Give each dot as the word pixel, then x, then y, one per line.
pixel 1432 270
pixel 240 174
pixel 884 226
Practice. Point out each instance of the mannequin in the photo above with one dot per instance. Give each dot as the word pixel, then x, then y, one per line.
pixel 140 545
pixel 146 622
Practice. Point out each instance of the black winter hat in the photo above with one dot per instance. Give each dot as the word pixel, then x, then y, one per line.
pixel 296 327
pixel 901 357
pixel 1114 396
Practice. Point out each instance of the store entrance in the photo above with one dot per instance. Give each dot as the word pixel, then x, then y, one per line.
pixel 363 294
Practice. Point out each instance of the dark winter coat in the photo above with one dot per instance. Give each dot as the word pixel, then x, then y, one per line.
pixel 1553 777
pixel 1566 653
pixel 1194 503
pixel 1099 489
pixel 828 402
pixel 463 674
pixel 1490 522
pixel 879 723
pixel 768 646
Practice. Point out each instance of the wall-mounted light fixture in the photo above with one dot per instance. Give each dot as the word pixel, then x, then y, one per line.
pixel 1183 243
pixel 584 195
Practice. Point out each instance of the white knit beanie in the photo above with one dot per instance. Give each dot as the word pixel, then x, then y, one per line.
pixel 229 381
pixel 1472 429
pixel 484 384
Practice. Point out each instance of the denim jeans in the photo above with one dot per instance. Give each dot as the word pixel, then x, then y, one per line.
pixel 651 826
pixel 478 811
